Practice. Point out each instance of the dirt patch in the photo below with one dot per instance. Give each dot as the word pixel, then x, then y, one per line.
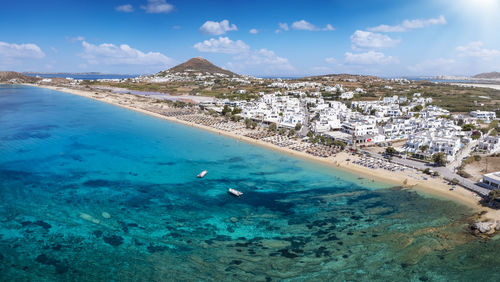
pixel 486 165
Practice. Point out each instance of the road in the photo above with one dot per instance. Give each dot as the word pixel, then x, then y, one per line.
pixel 305 126
pixel 445 172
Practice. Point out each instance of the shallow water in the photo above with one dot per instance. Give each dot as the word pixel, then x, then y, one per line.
pixel 65 160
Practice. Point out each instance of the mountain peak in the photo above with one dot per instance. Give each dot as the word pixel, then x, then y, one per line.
pixel 200 64
pixel 488 75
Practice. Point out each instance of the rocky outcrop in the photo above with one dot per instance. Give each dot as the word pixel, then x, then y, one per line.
pixel 16 77
pixel 484 227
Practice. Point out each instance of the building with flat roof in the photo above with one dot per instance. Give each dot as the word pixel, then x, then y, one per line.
pixel 492 180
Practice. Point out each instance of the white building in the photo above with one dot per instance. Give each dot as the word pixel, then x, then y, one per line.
pixel 436 141
pixel 483 115
pixel 347 95
pixel 492 180
pixel 490 144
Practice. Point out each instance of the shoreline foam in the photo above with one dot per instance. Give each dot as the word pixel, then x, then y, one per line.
pixel 436 187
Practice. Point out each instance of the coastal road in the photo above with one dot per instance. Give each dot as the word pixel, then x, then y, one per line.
pixel 445 172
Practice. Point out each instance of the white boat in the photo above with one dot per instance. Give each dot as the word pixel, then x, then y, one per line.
pixel 234 192
pixel 202 174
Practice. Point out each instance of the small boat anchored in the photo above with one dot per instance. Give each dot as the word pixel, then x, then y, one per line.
pixel 234 192
pixel 202 174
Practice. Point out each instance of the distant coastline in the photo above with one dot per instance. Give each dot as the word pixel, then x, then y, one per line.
pixel 84 76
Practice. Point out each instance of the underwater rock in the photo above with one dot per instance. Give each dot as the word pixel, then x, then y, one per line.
pixel 90 218
pixel 497 226
pixel 275 244
pixel 26 223
pixel 43 224
pixel 40 223
pixel 97 233
pixel 106 215
pixel 156 248
pixel 287 254
pixel 60 266
pixel 234 219
pixel 113 240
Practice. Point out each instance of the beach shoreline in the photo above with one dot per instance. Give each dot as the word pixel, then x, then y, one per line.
pixel 436 187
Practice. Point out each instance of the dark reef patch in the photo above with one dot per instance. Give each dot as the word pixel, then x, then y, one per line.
pixel 46 260
pixel 166 163
pixel 26 135
pixel 113 240
pixel 97 183
pixel 156 248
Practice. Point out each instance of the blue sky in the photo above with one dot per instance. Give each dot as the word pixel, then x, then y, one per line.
pixel 266 38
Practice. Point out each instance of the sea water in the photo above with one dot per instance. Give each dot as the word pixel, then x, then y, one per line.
pixel 94 192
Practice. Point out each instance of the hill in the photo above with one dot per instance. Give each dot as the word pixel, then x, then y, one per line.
pixel 488 75
pixel 12 76
pixel 200 65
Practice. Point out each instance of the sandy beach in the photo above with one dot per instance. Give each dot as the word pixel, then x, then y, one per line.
pixel 436 187
pixel 485 85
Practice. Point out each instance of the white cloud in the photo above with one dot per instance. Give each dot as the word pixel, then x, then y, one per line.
pixel 367 39
pixel 283 26
pixel 331 60
pixel 9 51
pixel 110 54
pixel 329 27
pixel 303 25
pixel 127 8
pixel 217 28
pixel 158 7
pixel 369 58
pixel 253 31
pixel 409 24
pixel 222 45
pixel 75 39
pixel 475 49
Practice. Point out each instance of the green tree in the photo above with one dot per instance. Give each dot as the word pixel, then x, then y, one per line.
pixel 424 148
pixel 475 135
pixel 468 127
pixel 236 111
pixel 339 143
pixel 439 159
pixel 417 108
pixel 298 126
pixel 494 132
pixel 373 112
pixel 253 124
pixel 226 110
pixel 236 118
pixel 292 133
pixel 493 124
pixel 391 151
pixel 248 123
pixel 282 131
pixel 273 127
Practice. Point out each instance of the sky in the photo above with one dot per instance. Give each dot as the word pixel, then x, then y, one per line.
pixel 263 38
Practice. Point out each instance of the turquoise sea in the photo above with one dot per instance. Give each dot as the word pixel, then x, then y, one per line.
pixel 94 192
